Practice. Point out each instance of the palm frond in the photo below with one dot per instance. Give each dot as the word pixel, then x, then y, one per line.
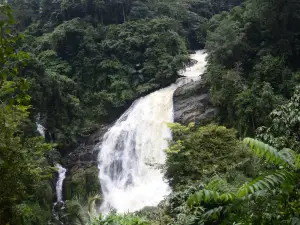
pixel 269 153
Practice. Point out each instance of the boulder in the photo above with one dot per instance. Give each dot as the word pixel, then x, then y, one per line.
pixel 192 102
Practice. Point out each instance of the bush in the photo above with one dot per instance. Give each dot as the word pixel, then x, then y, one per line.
pixel 197 152
pixel 115 219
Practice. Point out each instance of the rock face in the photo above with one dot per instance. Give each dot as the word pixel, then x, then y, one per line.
pixel 192 103
pixel 82 169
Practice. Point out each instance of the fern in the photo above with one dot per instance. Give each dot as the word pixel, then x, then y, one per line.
pixel 213 213
pixel 217 192
pixel 267 182
pixel 209 196
pixel 271 155
pixel 263 183
pixel 218 184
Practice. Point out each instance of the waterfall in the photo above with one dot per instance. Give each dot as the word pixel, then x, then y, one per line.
pixel 197 69
pixel 59 184
pixel 40 129
pixel 134 146
pixel 39 126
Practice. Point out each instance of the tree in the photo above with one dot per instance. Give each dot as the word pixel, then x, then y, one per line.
pixel 23 165
pixel 284 127
pixel 252 49
pixel 196 153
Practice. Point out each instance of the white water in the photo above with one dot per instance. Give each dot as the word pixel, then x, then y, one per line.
pixel 135 144
pixel 197 69
pixel 59 184
pixel 39 126
pixel 40 129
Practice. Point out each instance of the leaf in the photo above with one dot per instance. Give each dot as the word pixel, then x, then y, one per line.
pixel 270 154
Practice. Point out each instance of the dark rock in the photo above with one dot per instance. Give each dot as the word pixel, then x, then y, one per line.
pixel 192 102
pixel 191 62
pixel 82 170
pixel 96 138
pixel 58 206
pixel 82 180
pixel 87 157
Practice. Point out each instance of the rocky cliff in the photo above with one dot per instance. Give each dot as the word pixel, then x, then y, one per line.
pixel 192 103
pixel 82 169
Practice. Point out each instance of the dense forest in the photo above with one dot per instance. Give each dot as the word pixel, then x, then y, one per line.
pixel 74 65
pixel 122 50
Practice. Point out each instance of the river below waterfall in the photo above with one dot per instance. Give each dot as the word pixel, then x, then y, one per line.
pixel 133 149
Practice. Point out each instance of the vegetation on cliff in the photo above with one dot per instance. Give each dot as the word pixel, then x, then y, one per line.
pixel 90 59
pixel 86 61
pixel 25 191
pixel 253 62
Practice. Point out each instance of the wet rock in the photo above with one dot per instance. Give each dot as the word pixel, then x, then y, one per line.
pixel 82 167
pixel 87 157
pixel 58 206
pixel 82 181
pixel 192 103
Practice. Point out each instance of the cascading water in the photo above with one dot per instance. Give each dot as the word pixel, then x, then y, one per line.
pixel 59 184
pixel 39 126
pixel 134 146
pixel 58 206
pixel 40 129
pixel 197 69
pixel 128 177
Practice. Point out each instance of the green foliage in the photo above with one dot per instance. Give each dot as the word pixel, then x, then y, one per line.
pixel 90 59
pixel 115 219
pixel 197 152
pixel 87 61
pixel 23 165
pixel 78 210
pixel 226 206
pixel 252 63
pixel 283 129
pixel 81 181
pixel 81 211
pixel 270 154
pixel 93 77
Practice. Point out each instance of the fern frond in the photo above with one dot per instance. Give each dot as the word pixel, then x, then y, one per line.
pixel 213 213
pixel 254 196
pixel 218 184
pixel 270 154
pixel 202 196
pixel 250 190
pixel 267 182
pixel 209 196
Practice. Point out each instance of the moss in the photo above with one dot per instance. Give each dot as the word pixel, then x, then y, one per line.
pixel 79 182
pixel 92 180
